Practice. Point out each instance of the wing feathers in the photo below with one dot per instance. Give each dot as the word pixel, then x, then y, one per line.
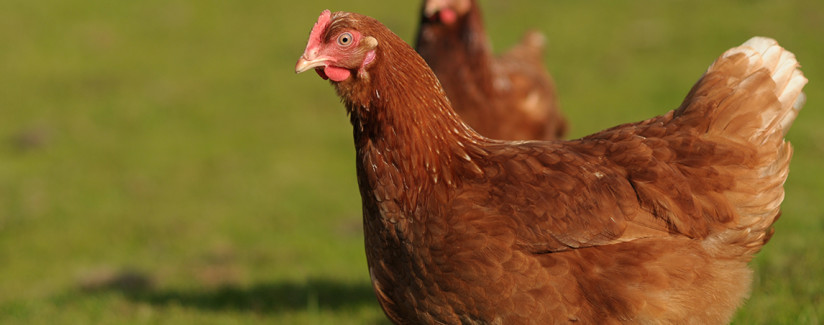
pixel 716 165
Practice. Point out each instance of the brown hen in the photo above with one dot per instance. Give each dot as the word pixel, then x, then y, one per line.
pixel 651 222
pixel 509 97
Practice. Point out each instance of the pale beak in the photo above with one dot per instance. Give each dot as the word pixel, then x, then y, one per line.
pixel 305 64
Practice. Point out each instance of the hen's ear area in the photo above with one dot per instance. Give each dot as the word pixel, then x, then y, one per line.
pixel 370 42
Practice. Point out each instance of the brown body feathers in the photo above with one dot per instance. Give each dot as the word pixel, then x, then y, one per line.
pixel 649 222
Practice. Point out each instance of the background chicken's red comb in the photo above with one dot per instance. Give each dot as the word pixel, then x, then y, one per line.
pixel 317 30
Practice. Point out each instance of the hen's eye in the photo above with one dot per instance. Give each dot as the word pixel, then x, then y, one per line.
pixel 345 39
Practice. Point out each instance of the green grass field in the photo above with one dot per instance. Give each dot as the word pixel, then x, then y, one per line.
pixel 160 163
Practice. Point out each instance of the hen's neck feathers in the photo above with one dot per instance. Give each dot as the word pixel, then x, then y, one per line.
pixel 406 133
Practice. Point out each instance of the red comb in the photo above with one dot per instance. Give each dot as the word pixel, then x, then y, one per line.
pixel 317 30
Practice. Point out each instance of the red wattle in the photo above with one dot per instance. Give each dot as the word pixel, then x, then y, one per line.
pixel 336 74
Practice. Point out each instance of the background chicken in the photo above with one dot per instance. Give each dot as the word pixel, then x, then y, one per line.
pixel 507 97
pixel 646 222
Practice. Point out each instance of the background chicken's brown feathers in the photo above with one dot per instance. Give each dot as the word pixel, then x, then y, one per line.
pixel 509 97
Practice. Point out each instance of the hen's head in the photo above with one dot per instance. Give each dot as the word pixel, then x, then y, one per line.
pixel 445 11
pixel 372 69
pixel 338 45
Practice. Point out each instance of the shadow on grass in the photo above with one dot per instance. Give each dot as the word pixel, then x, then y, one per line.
pixel 314 294
pixel 311 295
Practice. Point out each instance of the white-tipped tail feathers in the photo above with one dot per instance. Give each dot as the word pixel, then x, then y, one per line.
pixel 756 92
pixel 764 52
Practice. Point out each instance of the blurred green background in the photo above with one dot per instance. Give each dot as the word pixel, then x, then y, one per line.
pixel 161 163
